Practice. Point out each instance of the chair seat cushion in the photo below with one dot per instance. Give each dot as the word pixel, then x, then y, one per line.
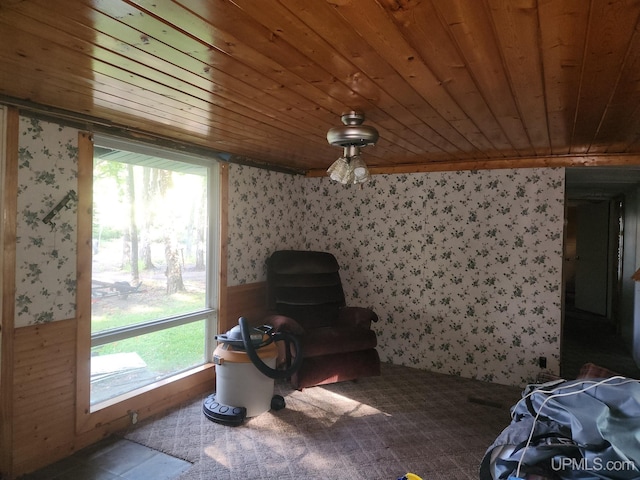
pixel 331 340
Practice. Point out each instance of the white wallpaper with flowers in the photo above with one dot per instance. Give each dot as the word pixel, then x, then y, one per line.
pixel 463 268
pixel 45 253
pixel 264 215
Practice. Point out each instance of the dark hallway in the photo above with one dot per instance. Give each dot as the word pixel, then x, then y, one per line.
pixel 594 274
pixel 591 338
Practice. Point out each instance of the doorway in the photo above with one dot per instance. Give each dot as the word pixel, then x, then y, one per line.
pixel 593 256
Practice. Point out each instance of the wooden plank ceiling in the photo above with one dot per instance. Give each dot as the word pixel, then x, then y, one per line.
pixel 448 83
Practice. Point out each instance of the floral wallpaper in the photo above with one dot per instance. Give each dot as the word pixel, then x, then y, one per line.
pixel 463 268
pixel 263 216
pixel 45 253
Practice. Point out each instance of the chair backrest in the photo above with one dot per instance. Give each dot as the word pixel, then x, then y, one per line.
pixel 305 286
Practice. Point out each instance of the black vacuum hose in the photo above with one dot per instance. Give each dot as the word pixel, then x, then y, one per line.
pixel 257 361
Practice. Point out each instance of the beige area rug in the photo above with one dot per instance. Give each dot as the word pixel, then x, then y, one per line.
pixel 407 420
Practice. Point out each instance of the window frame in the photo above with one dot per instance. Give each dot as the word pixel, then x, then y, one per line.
pixel 127 405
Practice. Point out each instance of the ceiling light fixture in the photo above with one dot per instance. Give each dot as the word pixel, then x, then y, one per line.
pixel 350 168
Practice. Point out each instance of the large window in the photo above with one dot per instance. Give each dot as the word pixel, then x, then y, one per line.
pixel 152 292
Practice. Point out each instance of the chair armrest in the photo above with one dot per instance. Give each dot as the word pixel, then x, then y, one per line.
pixel 360 317
pixel 282 323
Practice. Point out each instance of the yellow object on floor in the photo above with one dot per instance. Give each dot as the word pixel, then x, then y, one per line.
pixel 410 476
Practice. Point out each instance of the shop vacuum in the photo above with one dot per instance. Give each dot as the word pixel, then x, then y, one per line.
pixel 245 360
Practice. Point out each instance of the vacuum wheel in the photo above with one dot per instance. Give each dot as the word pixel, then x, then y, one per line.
pixel 223 414
pixel 277 402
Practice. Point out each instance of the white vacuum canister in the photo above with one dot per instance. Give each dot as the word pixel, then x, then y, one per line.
pixel 239 383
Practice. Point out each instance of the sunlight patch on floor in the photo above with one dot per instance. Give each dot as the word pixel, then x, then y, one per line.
pixel 216 453
pixel 329 407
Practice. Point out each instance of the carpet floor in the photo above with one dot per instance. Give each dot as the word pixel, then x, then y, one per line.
pixel 407 420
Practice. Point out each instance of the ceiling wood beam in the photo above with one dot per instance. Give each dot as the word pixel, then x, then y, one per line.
pixel 503 163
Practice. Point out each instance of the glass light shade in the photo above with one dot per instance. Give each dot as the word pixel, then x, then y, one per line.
pixel 360 170
pixel 340 170
pixel 348 178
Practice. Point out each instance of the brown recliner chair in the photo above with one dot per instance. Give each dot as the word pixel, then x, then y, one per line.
pixel 305 298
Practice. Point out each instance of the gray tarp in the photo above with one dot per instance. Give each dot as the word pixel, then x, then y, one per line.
pixel 582 429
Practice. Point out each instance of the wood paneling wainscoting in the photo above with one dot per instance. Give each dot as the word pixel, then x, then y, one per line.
pixel 248 300
pixel 44 409
pixel 43 393
pixel 44 378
